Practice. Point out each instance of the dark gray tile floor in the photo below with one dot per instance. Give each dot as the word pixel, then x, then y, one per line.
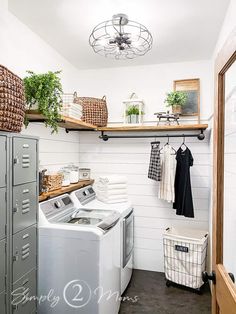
pixel 155 298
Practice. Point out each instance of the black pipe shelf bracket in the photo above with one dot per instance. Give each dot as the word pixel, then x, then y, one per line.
pixel 200 136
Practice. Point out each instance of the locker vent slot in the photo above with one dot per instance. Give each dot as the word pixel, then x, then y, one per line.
pixel 25 161
pixel 25 206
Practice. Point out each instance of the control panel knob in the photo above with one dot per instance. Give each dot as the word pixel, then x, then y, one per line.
pixel 57 204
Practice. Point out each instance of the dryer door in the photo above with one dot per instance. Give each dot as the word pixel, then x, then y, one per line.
pixel 128 237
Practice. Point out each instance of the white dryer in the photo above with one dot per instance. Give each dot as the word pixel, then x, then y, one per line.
pixel 76 273
pixel 86 198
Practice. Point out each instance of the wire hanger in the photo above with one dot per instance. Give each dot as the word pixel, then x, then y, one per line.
pixel 155 142
pixel 167 143
pixel 183 144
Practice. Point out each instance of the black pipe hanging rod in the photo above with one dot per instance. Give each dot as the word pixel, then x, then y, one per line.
pixel 106 137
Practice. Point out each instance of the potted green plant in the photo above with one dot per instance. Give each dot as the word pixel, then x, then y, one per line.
pixel 43 92
pixel 133 113
pixel 176 100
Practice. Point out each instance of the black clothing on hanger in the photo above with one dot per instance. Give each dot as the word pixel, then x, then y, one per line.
pixel 183 192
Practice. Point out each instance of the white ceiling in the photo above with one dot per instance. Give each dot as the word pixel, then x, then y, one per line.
pixel 182 30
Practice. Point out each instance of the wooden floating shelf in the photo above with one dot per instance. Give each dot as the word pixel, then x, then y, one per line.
pixel 74 124
pixel 154 128
pixel 65 122
pixel 67 189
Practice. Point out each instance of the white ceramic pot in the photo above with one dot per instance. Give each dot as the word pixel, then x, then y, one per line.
pixel 133 118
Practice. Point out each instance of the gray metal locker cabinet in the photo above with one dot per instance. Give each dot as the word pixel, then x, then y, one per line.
pixel 3 161
pixel 18 219
pixel 24 160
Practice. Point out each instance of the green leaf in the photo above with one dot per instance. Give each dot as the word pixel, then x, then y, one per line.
pixel 176 98
pixel 133 110
pixel 46 91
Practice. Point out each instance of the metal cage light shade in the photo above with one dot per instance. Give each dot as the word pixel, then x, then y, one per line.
pixel 120 38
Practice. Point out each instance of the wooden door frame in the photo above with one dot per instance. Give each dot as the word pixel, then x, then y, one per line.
pixel 224 60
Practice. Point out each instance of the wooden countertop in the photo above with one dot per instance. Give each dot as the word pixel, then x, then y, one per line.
pixel 67 189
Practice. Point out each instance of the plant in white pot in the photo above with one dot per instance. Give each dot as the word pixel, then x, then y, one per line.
pixel 176 100
pixel 133 114
pixel 43 92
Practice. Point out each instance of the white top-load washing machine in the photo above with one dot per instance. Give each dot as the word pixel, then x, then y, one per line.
pixel 86 198
pixel 79 265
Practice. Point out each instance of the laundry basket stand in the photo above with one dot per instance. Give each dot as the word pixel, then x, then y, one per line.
pixel 185 252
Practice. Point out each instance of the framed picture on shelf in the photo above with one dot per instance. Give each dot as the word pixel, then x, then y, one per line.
pixel 192 89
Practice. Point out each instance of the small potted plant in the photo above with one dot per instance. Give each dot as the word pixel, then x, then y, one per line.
pixel 43 92
pixel 133 114
pixel 176 100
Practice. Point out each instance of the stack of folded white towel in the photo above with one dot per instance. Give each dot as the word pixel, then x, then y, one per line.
pixel 72 110
pixel 112 189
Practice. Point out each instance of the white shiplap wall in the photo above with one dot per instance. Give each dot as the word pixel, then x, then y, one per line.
pixel 152 216
pixel 55 150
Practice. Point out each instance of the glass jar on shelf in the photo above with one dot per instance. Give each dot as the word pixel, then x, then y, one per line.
pixel 66 176
pixel 74 173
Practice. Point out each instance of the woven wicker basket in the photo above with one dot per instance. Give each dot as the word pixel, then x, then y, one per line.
pixel 94 110
pixel 52 182
pixel 12 101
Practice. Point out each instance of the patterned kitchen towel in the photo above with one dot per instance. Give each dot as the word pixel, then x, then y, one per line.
pixel 154 171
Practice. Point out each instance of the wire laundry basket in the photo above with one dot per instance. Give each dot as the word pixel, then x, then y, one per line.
pixel 185 253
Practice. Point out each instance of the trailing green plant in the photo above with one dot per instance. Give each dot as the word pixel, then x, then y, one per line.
pixel 44 90
pixel 133 110
pixel 176 98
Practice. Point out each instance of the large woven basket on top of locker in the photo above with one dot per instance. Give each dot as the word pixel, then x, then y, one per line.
pixel 12 101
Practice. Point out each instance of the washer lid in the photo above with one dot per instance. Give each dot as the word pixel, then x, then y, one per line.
pixel 103 219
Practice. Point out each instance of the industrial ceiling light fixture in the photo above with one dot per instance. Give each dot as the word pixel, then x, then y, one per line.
pixel 120 38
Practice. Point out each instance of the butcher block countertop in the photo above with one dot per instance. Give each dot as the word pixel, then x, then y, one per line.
pixel 66 189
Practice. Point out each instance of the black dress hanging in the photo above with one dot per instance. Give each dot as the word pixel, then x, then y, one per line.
pixel 183 192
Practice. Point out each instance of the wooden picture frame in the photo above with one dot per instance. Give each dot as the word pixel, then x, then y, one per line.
pixel 192 88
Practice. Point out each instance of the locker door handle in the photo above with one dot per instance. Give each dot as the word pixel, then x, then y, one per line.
pixel 15 160
pixel 15 258
pixel 15 209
